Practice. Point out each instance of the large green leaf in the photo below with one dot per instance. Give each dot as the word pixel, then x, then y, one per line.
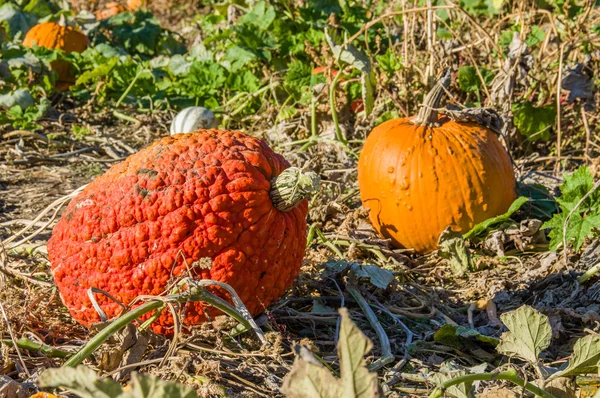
pixel 585 358
pixel 529 334
pixel 482 227
pixel 533 122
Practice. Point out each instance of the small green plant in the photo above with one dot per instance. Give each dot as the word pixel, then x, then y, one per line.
pixel 579 216
pixel 84 382
pixel 80 131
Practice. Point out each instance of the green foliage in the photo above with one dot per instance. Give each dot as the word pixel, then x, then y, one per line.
pixel 389 62
pixel 541 204
pixel 86 384
pixel 529 334
pixel 535 123
pixel 469 80
pixel 536 36
pixel 581 217
pixel 483 227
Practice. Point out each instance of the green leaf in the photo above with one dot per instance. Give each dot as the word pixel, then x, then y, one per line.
pixel 482 227
pixel 443 33
pixel 534 123
pixel 495 6
pixel 529 334
pixel 236 58
pixel 40 8
pixel 146 386
pixel 389 62
pixel 86 384
pixel 261 16
pixel 452 247
pixel 584 221
pixel 378 276
pixel 179 66
pixel 310 379
pixel 585 358
pixel 536 36
pixel 16 21
pixel 541 205
pixel 21 97
pixel 98 72
pixel 453 336
pixel 506 37
pixel 468 81
pixel 82 380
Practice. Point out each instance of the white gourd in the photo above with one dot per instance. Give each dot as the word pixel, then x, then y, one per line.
pixel 192 119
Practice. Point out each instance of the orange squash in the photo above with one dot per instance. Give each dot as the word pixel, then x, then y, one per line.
pixel 134 5
pixel 110 10
pixel 58 36
pixel 418 176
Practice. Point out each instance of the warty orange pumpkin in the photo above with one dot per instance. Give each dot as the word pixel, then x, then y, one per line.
pixel 212 204
pixel 58 36
pixel 418 176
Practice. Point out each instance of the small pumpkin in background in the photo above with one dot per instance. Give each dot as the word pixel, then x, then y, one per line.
pixel 55 35
pixel 134 5
pixel 192 119
pixel 420 175
pixel 110 10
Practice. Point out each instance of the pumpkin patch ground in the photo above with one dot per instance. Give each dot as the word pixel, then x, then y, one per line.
pixel 440 238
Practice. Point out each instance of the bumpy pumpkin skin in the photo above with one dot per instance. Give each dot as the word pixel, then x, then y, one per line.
pixel 189 196
pixel 54 36
pixel 418 180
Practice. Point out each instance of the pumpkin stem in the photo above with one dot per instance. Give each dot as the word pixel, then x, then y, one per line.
pixel 428 115
pixel 292 186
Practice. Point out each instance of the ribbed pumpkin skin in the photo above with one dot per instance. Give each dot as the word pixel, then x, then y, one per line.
pixel 418 180
pixel 54 36
pixel 190 196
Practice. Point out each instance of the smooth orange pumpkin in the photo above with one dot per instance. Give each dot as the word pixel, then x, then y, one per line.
pixel 58 36
pixel 110 10
pixel 418 176
pixel 134 5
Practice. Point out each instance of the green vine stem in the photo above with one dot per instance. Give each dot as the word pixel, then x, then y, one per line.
pixel 386 350
pixel 510 375
pixel 197 292
pixel 338 131
pixel 32 346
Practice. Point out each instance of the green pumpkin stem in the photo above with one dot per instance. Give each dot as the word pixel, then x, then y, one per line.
pixel 292 186
pixel 428 115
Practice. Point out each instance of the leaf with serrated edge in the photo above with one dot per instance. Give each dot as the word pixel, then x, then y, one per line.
pixel 308 379
pixel 530 334
pixel 81 380
pixel 585 358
